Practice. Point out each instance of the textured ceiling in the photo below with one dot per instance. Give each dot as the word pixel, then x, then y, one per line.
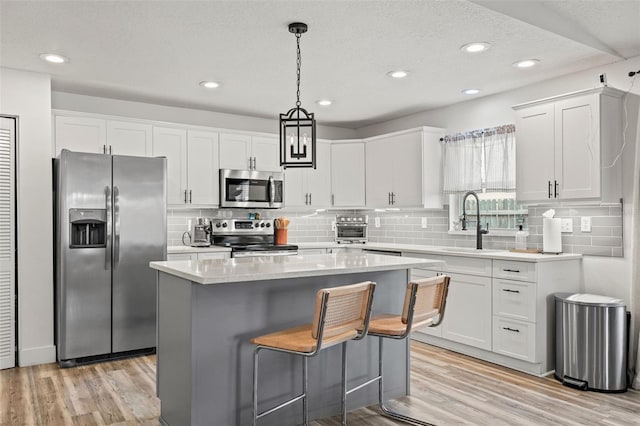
pixel 158 51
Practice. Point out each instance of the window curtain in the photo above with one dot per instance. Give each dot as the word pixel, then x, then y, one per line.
pixel 500 158
pixel 462 162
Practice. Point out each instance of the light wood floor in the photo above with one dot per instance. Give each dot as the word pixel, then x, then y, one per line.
pixel 448 389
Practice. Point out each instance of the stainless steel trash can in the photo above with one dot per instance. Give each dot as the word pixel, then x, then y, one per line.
pixel 591 342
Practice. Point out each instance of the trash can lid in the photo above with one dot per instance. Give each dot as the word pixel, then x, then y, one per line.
pixel 590 299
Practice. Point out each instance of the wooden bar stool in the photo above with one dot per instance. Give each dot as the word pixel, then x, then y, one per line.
pixel 341 314
pixel 424 305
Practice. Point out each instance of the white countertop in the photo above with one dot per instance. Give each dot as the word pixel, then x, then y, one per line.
pixel 218 271
pixel 411 248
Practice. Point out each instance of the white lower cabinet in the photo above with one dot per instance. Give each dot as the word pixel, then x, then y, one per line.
pixel 501 310
pixel 468 311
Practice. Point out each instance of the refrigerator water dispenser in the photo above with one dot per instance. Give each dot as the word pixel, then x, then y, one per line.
pixel 88 228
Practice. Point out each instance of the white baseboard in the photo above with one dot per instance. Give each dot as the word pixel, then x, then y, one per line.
pixel 35 356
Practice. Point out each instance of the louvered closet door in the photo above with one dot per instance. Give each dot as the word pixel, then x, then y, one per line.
pixel 7 243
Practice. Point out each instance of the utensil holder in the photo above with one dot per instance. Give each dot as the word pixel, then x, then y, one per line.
pixel 281 237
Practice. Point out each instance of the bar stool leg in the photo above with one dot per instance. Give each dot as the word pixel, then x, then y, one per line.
pixel 255 386
pixel 387 412
pixel 344 384
pixel 305 407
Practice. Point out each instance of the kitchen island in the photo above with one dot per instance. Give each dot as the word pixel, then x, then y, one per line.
pixel 209 310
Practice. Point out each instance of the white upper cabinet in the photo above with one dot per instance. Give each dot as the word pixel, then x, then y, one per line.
pixel 82 134
pixel 203 178
pixel 102 136
pixel 192 165
pixel 567 147
pixel 307 186
pixel 128 138
pixel 245 152
pixel 403 169
pixel 348 174
pixel 172 143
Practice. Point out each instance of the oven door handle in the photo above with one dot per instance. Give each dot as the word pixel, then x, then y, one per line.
pixel 272 191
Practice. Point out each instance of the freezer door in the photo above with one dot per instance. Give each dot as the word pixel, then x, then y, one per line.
pixel 139 237
pixel 83 272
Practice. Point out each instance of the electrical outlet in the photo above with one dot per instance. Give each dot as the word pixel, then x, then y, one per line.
pixel 377 222
pixel 333 225
pixel 585 224
pixel 566 225
pixel 423 222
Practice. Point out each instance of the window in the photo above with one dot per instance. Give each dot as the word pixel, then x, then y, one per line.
pixel 482 161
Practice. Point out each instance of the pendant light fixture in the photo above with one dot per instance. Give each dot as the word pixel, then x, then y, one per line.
pixel 297 126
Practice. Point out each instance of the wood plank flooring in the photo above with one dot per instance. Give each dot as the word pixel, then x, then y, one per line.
pixel 447 389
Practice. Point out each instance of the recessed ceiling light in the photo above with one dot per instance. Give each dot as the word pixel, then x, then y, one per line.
pixel 526 63
pixel 209 84
pixel 476 47
pixel 470 91
pixel 398 74
pixel 324 102
pixel 54 58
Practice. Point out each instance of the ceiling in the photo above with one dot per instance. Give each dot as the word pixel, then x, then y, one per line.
pixel 158 51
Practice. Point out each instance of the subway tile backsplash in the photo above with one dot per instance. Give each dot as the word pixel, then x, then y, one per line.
pixel 404 227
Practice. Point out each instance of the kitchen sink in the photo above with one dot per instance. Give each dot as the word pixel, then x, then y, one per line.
pixel 469 250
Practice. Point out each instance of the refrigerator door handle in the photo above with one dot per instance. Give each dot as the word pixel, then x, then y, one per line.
pixel 116 228
pixel 107 250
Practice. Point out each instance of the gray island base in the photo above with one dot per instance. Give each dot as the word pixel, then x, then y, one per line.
pixel 208 311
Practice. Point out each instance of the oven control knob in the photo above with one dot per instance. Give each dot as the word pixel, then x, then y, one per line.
pixel 257 225
pixel 224 225
pixel 218 225
pixel 262 225
pixel 268 225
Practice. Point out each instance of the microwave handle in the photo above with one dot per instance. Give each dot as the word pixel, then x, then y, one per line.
pixel 272 191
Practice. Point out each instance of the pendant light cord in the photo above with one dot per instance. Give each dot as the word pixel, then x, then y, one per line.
pixel 298 64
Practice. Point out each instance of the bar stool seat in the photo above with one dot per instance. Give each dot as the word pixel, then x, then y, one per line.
pixel 299 339
pixel 341 314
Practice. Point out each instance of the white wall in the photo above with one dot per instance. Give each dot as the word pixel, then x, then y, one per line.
pixel 107 106
pixel 617 277
pixel 28 95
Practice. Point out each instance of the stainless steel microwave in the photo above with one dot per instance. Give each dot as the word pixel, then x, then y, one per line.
pixel 251 189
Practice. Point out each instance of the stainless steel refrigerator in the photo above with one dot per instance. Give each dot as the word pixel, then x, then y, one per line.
pixel 110 223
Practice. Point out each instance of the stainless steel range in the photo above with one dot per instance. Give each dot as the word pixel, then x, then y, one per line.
pixel 249 238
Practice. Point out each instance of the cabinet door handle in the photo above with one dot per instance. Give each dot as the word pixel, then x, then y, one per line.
pixel 333 200
pixel 306 199
pixel 515 330
pixel 549 182
pixel 309 198
pixel 511 270
pixel 508 290
pixel 104 149
pixel 393 198
pixel 555 188
pixel 109 149
pixel 389 198
pixel 185 196
pixel 189 196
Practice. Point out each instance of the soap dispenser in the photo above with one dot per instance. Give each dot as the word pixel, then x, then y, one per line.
pixel 521 239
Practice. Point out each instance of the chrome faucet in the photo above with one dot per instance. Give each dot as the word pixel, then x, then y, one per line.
pixel 479 230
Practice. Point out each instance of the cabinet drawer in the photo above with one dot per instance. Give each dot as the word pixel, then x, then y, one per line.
pixel 514 338
pixel 213 255
pixel 513 270
pixel 182 256
pixel 418 274
pixel 514 299
pixel 467 265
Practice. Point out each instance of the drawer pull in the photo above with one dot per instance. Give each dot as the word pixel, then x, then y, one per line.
pixel 510 291
pixel 511 329
pixel 511 270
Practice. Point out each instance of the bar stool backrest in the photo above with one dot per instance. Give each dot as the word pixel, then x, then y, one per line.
pixel 342 313
pixel 424 301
